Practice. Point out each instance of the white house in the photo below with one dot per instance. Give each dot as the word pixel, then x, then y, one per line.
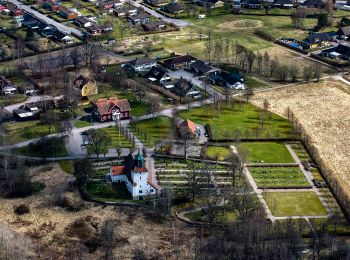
pixel 135 175
pixel 143 64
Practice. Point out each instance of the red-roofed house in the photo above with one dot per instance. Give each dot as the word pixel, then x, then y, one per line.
pixel 104 108
pixel 187 126
pixel 135 176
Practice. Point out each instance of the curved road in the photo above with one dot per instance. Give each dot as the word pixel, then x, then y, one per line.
pixel 63 28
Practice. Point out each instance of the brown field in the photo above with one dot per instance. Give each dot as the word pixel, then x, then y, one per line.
pixel 49 225
pixel 287 57
pixel 322 109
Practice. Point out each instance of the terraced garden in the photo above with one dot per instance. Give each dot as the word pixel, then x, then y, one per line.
pixel 279 177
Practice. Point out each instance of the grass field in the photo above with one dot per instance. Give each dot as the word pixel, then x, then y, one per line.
pixel 23 131
pixel 279 177
pixel 53 147
pixel 152 130
pixel 245 121
pixel 217 152
pixel 220 217
pixel 285 204
pixel 119 141
pixel 267 152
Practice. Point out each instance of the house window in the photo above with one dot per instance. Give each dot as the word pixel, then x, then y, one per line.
pixel 140 191
pixel 151 190
pixel 140 177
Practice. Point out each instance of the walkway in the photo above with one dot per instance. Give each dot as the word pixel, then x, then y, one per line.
pixel 59 26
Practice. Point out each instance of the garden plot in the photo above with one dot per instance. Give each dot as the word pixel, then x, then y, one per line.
pixel 299 150
pixel 267 152
pixel 279 177
pixel 326 125
pixel 287 204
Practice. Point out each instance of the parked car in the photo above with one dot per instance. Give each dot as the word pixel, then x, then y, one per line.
pixel 202 16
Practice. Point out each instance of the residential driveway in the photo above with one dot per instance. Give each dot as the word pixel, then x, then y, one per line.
pixel 60 26
pixel 195 80
pixel 177 22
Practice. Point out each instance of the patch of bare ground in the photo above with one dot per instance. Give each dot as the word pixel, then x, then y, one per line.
pixel 59 229
pixel 241 24
pixel 322 109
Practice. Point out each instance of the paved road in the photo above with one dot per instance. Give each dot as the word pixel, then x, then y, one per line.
pixel 10 108
pixel 177 22
pixel 60 26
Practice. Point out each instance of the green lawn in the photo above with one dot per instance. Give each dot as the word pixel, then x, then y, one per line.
pixel 105 191
pixel 278 177
pixel 12 99
pixel 218 152
pixel 52 147
pixel 300 151
pixel 220 217
pixel 285 204
pixel 152 130
pixel 244 120
pixel 82 123
pixel 267 152
pixel 23 131
pixel 67 166
pixel 119 141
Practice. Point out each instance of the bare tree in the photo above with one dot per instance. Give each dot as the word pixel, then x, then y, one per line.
pixel 99 139
pixel 248 93
pixel 82 169
pixel 109 237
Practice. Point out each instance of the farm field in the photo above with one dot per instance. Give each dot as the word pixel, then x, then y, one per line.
pixel 302 203
pixel 244 122
pixel 325 124
pixel 267 152
pixel 279 177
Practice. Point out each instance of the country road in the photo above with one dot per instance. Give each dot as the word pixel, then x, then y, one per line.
pixel 63 28
pixel 177 22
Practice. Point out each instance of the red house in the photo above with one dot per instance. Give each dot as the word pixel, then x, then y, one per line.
pixel 15 11
pixel 104 108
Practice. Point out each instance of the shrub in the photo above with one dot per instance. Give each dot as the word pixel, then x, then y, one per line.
pixel 264 34
pixel 70 200
pixel 22 209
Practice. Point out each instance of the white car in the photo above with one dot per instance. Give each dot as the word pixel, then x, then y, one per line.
pixel 202 16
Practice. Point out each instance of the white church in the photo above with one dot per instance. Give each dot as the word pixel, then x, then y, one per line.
pixel 135 175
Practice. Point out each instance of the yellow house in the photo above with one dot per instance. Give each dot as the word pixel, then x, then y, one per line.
pixel 87 86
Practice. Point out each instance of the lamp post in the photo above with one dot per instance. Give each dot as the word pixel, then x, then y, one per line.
pixel 116 119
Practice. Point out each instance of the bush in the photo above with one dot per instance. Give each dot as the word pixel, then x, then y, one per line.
pixel 22 209
pixel 264 34
pixel 71 201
